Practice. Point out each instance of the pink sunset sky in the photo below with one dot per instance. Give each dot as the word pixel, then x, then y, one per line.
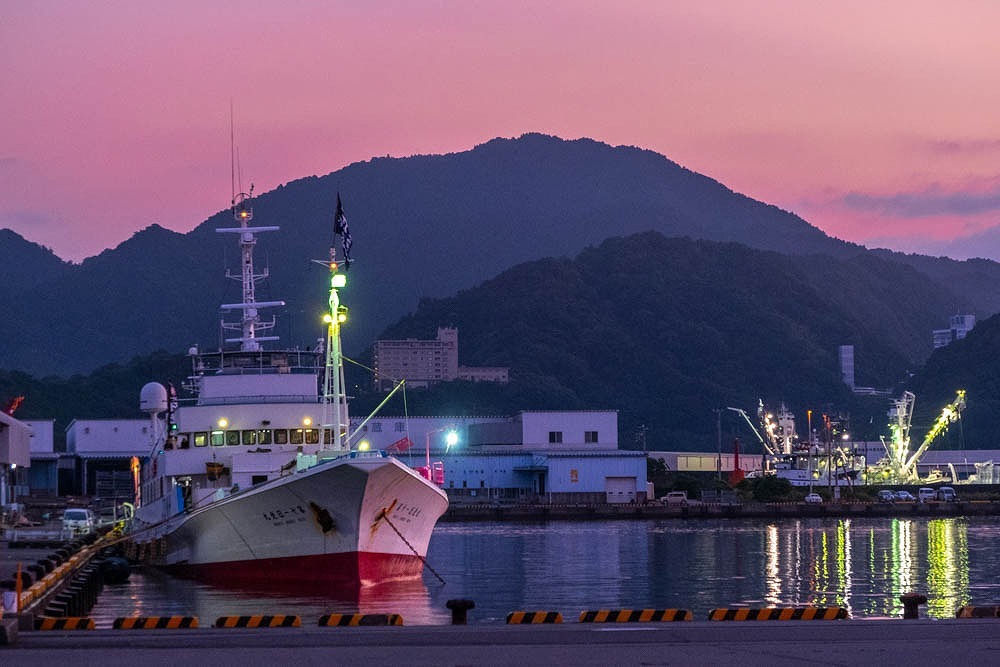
pixel 875 121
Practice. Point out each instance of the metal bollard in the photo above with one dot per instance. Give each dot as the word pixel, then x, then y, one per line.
pixel 911 603
pixel 459 610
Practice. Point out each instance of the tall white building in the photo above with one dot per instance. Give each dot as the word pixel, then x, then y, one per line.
pixel 847 364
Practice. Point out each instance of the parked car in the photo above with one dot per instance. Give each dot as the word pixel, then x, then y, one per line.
pixel 676 498
pixel 886 496
pixel 814 499
pixel 947 494
pixel 904 496
pixel 926 494
pixel 78 521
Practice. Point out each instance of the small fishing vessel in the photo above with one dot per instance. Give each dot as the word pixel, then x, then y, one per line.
pixel 258 481
pixel 809 463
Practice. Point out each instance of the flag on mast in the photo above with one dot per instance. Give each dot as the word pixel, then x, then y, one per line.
pixel 340 227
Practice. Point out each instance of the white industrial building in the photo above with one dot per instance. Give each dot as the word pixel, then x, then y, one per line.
pixel 548 456
pixel 15 455
pixel 102 449
pixel 552 456
pixel 958 327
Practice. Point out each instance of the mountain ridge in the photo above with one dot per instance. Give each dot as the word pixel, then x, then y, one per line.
pixel 423 227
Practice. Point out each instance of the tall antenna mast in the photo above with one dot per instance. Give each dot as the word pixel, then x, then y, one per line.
pixel 250 323
pixel 335 417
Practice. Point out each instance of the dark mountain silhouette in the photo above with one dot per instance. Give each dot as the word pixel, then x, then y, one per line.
pixel 970 364
pixel 664 330
pixel 424 226
pixel 24 265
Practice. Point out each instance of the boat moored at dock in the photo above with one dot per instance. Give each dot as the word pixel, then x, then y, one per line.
pixel 258 481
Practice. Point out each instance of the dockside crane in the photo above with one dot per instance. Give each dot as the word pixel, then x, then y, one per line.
pixel 900 466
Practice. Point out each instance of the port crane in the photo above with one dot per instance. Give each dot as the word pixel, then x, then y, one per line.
pixel 899 465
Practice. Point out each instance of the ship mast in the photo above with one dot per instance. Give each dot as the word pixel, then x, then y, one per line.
pixel 335 416
pixel 250 324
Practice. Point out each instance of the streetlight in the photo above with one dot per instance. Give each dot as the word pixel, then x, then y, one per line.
pixel 450 440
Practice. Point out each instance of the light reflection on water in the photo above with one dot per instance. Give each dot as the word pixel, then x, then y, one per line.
pixel 568 566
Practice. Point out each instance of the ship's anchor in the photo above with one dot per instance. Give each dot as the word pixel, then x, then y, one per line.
pixel 383 514
pixel 323 517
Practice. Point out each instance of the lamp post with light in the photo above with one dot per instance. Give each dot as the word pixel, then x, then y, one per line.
pixel 450 440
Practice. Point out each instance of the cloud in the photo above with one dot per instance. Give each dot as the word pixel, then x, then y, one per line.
pixel 22 218
pixel 968 147
pixel 927 203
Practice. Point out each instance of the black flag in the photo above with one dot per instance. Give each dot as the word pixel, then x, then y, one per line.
pixel 340 227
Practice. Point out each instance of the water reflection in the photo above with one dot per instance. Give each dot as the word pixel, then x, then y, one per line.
pixel 862 564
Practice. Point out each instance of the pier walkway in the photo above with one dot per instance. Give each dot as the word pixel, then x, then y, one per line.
pixel 849 643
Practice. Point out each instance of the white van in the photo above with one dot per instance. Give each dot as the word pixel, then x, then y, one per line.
pixel 78 521
pixel 926 494
pixel 947 494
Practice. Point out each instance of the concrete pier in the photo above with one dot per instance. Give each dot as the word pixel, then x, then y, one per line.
pixel 849 643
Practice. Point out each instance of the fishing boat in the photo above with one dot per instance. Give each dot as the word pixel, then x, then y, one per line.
pixel 803 463
pixel 258 481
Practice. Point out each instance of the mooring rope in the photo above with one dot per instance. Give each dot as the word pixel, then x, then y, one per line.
pixel 383 515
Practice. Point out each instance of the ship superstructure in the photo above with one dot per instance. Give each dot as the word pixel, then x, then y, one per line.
pixel 257 480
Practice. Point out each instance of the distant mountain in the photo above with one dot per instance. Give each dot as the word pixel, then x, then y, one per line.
pixel 424 226
pixel 24 265
pixel 984 244
pixel 667 329
pixel 971 364
pixel 664 330
pixel 974 282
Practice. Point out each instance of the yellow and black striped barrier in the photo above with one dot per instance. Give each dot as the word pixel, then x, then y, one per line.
pixel 155 622
pixel 330 620
pixel 972 611
pixel 635 615
pixel 279 621
pixel 778 614
pixel 534 617
pixel 64 623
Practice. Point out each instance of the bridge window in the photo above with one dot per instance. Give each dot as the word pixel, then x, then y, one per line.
pixel 200 438
pixel 296 436
pixel 281 436
pixel 218 438
pixel 264 436
pixel 249 437
pixel 232 438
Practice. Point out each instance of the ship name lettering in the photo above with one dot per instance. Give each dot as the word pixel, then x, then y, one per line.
pixel 275 514
pixel 408 510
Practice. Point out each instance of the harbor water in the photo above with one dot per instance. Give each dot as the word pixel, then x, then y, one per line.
pixel 569 566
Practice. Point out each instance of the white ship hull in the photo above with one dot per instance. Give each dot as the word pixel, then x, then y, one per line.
pixel 359 519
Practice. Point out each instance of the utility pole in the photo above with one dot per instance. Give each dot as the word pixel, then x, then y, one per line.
pixel 718 431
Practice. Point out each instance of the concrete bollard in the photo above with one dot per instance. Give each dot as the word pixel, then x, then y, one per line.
pixel 459 610
pixel 911 603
